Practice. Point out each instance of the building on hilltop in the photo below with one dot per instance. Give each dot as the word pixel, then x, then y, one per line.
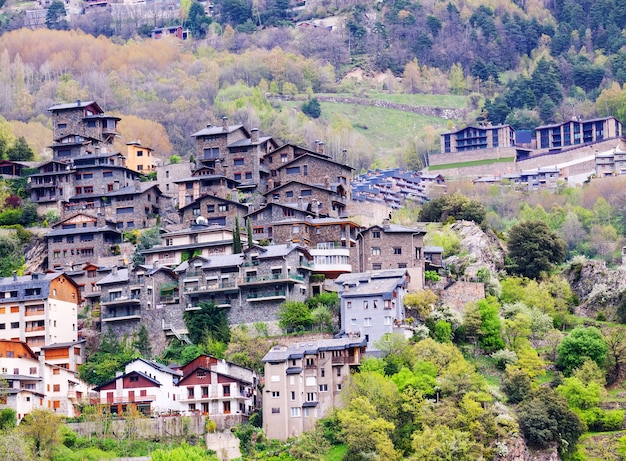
pixel 477 137
pixel 303 383
pixel 576 132
pixel 372 303
pixel 39 309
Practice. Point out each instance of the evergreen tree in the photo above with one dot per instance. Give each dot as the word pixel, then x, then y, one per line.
pixel 54 16
pixel 20 151
pixel 237 246
pixel 249 230
pixel 312 108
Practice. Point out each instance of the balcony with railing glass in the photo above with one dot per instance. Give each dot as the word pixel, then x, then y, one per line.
pixel 212 287
pixel 117 315
pixel 266 295
pixel 113 299
pixel 265 279
pixel 330 257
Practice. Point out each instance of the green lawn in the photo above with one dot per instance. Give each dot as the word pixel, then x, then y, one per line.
pixel 419 100
pixel 336 453
pixel 471 163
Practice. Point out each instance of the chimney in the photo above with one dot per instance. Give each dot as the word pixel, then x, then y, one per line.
pixel 300 203
pixel 114 270
pixel 254 135
pixel 208 125
pixel 116 184
pixel 15 276
pixel 320 147
pixel 386 224
pixel 344 156
pixel 225 123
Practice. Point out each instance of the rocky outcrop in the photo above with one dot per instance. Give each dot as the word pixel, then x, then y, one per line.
pixel 479 249
pixel 515 449
pixel 36 255
pixel 598 287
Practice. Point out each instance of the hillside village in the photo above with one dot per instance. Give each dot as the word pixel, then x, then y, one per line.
pixel 243 225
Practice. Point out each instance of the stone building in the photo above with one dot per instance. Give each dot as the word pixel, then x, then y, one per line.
pixel 262 220
pixel 303 383
pixel 321 201
pixel 83 238
pixel 216 210
pixel 202 183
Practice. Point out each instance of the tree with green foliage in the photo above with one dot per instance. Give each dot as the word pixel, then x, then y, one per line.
pixel 147 239
pixel 249 232
pixel 312 108
pixel 108 358
pixel 141 341
pixel 581 344
pixel 14 446
pixel 442 332
pixel 207 322
pixel 198 21
pixel 20 151
pixel 455 206
pixel 545 419
pixel 42 428
pixel 8 417
pixel 236 12
pixel 579 395
pixel 237 246
pixel 534 249
pixel 489 334
pixel 294 316
pixel 517 385
pixel 55 16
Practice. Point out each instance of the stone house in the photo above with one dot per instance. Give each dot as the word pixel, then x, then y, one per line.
pixel 288 152
pixel 372 303
pixel 167 174
pixel 83 238
pixel 251 285
pixel 320 201
pixel 244 162
pixel 52 184
pixel 144 295
pixel 202 183
pixel 81 127
pixel 199 239
pixel 39 309
pixel 140 158
pixel 303 383
pixel 224 392
pixel 392 246
pixel 331 241
pixel 261 220
pixel 216 210
pixel 212 143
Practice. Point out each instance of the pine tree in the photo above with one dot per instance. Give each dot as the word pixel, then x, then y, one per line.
pixel 237 247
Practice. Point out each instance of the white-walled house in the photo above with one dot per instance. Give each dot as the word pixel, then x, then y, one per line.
pixel 145 385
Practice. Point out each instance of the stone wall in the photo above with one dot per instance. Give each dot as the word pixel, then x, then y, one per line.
pixel 460 293
pixel 471 156
pixel 161 427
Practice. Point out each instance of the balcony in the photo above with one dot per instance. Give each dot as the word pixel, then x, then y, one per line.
pixel 112 300
pixel 226 285
pixel 126 314
pixel 168 299
pixel 193 274
pixel 123 399
pixel 251 263
pixel 266 296
pixel 263 279
pixel 35 328
pixel 350 360
pixel 329 258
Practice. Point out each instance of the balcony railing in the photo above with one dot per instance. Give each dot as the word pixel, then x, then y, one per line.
pixel 224 285
pixel 37 328
pixel 265 295
pixel 270 278
pixel 123 399
pixel 344 360
pixel 168 299
pixel 121 315
pixel 120 299
pixel 193 274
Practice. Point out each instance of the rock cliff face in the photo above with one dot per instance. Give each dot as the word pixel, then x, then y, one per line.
pixel 517 450
pixel 598 287
pixel 479 249
pixel 36 255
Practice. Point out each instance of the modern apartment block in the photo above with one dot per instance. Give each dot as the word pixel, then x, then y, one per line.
pixel 39 309
pixel 477 137
pixel 576 132
pixel 303 383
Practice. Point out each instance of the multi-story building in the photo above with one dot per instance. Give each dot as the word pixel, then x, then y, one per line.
pixel 35 383
pixel 303 382
pixel 202 183
pixel 39 309
pixel 262 219
pixel 216 210
pixel 321 201
pixel 576 132
pixel 83 238
pixel 140 158
pixel 224 392
pixel 372 303
pixel 200 239
pixel 252 284
pixel 392 246
pixel 477 137
pixel 147 386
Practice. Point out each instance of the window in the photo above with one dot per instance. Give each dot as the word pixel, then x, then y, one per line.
pixel 222 207
pixel 311 397
pixel 3 326
pixel 195 211
pixel 349 304
pixel 284 158
pixel 15 325
pixel 248 174
pixel 306 192
pixel 387 304
pixel 134 379
pixel 377 266
pixel 237 176
pixel 323 387
pixel 139 153
pixel 397 250
pixel 56 388
pixel 71 239
pixel 275 394
pixel 107 174
pixel 339 385
pixel 376 251
pixel 293 170
pixel 226 390
pixel 289 194
pixel 365 304
pixel 353 322
pixel 62 126
pixel 210 208
pixel 275 410
pixel 375 234
pixel 190 392
pixel 323 372
pixel 238 162
pixel 295 412
pixel 56 371
pixel 367 322
pixel 125 210
pixel 387 320
pixel 58 239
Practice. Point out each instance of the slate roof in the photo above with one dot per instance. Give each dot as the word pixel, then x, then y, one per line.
pixel 248 142
pixel 149 378
pixel 126 190
pixel 210 130
pixel 73 105
pixel 298 350
pixel 115 277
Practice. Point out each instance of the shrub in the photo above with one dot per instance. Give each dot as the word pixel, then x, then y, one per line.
pixel 431 276
pixel 504 357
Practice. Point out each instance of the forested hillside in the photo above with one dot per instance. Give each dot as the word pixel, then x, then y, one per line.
pixel 524 63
